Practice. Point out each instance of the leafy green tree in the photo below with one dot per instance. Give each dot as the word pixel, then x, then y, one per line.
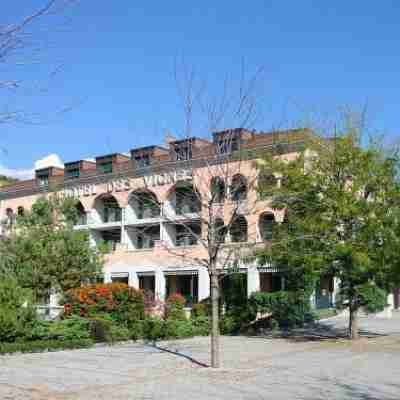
pixel 16 313
pixel 45 252
pixel 342 219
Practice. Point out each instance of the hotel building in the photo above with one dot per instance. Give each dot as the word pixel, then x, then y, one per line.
pixel 148 208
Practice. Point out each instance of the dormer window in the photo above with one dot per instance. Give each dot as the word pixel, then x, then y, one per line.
pixel 183 151
pixel 105 167
pixel 43 178
pixel 227 145
pixel 142 161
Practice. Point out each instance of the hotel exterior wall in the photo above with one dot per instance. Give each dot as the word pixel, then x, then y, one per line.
pixel 159 260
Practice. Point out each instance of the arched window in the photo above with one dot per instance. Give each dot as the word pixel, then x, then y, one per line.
pixel 82 218
pixel 217 190
pixel 20 211
pixel 266 226
pixel 10 216
pixel 145 204
pixel 266 184
pixel 238 230
pixel 219 230
pixel 238 188
pixel 187 199
pixel 108 208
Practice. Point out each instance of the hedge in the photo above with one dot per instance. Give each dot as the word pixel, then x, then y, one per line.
pixel 38 346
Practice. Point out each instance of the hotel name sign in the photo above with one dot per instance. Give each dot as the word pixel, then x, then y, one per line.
pixel 124 184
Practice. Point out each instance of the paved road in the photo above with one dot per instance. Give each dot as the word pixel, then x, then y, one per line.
pixel 253 368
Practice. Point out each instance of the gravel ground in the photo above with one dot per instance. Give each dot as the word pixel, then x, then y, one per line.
pixel 312 365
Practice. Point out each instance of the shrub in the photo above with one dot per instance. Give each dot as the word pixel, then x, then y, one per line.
pixel 153 328
pixel 17 316
pixel 118 334
pixel 175 328
pixel 44 345
pixel 136 330
pixel 199 310
pixel 372 298
pixel 174 307
pixel 289 309
pixel 124 304
pixel 228 325
pixel 201 326
pixel 100 329
pixel 67 329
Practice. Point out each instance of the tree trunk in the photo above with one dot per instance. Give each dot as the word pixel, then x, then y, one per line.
pixel 215 362
pixel 353 323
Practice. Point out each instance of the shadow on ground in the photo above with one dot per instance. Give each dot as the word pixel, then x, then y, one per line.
pixel 314 332
pixel 178 353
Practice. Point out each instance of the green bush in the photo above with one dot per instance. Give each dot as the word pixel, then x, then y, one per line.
pixel 153 328
pixel 44 345
pixel 174 307
pixel 175 328
pixel 372 298
pixel 100 329
pixel 119 334
pixel 289 309
pixel 201 326
pixel 136 330
pixel 199 310
pixel 17 316
pixel 228 325
pixel 67 329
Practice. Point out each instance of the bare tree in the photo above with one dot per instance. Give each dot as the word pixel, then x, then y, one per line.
pixel 21 45
pixel 210 206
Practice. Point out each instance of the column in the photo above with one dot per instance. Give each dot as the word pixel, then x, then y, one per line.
pixel 253 280
pixel 203 284
pixel 160 284
pixel 336 287
pixel 133 280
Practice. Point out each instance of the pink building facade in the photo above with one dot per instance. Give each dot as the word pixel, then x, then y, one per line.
pixel 149 208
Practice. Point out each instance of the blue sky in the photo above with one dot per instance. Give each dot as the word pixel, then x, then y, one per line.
pixel 118 62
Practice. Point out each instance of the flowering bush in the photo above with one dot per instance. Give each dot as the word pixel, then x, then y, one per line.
pixel 124 304
pixel 174 307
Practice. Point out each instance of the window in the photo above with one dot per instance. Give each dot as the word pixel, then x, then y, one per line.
pixel 120 279
pixel 10 216
pixel 82 217
pixel 106 167
pixel 145 205
pixel 186 285
pixel 43 179
pixel 20 211
pixel 227 145
pixel 147 237
pixel 112 210
pixel 183 152
pixel 217 190
pixel 238 230
pixel 111 238
pixel 142 161
pixel 187 235
pixel 147 283
pixel 266 226
pixel 187 200
pixel 266 184
pixel 238 188
pixel 72 173
pixel 219 230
